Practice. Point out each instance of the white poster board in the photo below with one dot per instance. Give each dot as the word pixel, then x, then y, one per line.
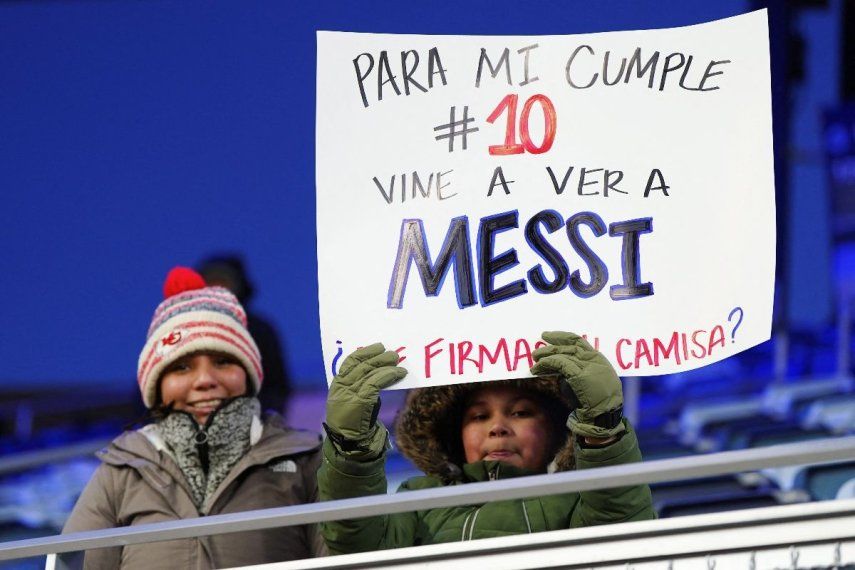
pixel 473 191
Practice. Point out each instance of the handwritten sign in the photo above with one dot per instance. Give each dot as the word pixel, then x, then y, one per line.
pixel 474 191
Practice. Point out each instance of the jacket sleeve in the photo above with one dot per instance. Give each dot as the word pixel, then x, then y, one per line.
pixel 94 510
pixel 314 539
pixel 620 504
pixel 343 478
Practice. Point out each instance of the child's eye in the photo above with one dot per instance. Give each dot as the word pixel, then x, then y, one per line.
pixel 477 417
pixel 225 360
pixel 522 413
pixel 178 366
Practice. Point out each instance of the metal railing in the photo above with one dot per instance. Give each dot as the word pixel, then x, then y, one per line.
pixel 34 459
pixel 812 452
pixel 804 535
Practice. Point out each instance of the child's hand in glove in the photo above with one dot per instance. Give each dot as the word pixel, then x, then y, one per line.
pixel 354 400
pixel 595 384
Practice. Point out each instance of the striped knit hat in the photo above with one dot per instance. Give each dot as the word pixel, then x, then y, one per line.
pixel 192 318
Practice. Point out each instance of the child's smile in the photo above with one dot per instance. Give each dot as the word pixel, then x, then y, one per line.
pixel 199 383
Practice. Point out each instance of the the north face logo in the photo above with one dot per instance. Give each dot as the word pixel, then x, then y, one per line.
pixel 284 466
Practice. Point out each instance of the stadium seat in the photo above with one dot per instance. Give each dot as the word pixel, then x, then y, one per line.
pixel 823 482
pixel 847 490
pixel 695 417
pixel 779 399
pixel 720 502
pixel 837 416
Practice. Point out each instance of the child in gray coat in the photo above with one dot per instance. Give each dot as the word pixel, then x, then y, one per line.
pixel 209 450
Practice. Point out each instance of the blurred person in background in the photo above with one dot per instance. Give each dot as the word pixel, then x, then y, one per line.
pixel 208 450
pixel 228 271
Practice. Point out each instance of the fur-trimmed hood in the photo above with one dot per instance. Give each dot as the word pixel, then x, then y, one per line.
pixel 428 428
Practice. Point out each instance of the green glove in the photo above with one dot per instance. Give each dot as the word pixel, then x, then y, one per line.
pixel 354 400
pixel 595 384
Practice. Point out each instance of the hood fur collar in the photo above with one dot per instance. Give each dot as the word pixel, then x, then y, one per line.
pixel 427 430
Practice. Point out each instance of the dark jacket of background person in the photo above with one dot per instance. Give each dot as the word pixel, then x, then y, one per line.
pixel 139 484
pixel 229 271
pixel 425 427
pixel 276 390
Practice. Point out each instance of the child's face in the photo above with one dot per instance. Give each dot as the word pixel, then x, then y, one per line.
pixel 506 424
pixel 199 382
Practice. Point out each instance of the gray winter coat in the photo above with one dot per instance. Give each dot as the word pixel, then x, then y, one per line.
pixel 138 483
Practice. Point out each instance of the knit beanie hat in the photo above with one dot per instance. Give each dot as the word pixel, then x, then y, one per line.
pixel 194 317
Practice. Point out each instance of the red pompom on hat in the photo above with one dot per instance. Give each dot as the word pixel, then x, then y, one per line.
pixel 181 279
pixel 195 318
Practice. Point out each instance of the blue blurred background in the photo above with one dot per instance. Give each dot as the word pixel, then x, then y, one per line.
pixel 135 136
pixel 139 135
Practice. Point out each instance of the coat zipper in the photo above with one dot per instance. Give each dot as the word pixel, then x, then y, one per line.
pixel 493 475
pixel 201 442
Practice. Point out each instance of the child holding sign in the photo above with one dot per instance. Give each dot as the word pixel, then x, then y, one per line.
pixel 480 432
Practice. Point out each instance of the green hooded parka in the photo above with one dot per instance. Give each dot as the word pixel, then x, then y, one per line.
pixel 430 419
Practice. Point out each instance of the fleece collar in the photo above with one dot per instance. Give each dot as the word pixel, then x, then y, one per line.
pixel 152 434
pixel 206 454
